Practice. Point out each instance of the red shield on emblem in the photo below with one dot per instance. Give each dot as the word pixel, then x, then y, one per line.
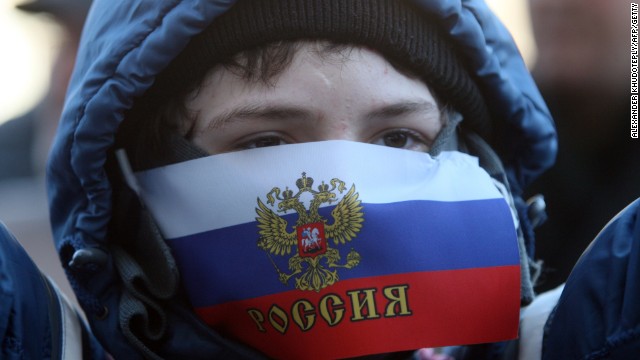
pixel 311 240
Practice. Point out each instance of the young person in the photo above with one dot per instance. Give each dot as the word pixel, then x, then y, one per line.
pixel 261 217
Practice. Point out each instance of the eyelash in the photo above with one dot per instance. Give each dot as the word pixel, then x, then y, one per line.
pixel 416 137
pixel 411 140
pixel 412 133
pixel 251 140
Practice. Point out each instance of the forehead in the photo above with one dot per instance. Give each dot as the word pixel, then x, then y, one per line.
pixel 266 63
pixel 353 94
pixel 295 69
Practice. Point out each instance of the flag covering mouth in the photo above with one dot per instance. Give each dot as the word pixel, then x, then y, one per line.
pixel 338 249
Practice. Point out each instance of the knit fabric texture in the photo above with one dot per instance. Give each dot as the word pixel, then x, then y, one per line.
pixel 393 28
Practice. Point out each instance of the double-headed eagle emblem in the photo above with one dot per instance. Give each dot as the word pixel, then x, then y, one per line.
pixel 311 231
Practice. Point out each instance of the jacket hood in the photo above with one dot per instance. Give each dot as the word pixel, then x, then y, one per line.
pixel 127 43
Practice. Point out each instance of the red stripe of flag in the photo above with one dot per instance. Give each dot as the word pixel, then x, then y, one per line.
pixel 377 315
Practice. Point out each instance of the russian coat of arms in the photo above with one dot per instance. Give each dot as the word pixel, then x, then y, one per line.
pixel 314 264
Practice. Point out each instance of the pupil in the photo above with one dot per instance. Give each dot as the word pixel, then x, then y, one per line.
pixel 269 141
pixel 395 140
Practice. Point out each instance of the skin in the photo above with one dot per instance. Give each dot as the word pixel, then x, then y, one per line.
pixel 356 96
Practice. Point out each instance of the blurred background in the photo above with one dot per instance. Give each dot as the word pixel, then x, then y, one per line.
pixel 29 45
pixel 39 40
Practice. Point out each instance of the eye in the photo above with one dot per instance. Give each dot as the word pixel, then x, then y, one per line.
pixel 261 142
pixel 403 139
pixel 396 139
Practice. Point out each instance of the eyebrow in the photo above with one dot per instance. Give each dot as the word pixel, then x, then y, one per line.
pixel 403 108
pixel 284 112
pixel 278 112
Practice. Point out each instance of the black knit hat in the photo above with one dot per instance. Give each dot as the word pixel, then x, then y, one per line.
pixel 394 28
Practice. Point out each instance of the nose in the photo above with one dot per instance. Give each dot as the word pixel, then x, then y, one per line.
pixel 338 128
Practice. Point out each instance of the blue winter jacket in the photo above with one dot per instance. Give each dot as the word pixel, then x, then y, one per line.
pixel 125 44
pixel 598 313
pixel 35 322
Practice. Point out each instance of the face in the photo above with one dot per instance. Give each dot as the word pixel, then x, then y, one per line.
pixel 356 96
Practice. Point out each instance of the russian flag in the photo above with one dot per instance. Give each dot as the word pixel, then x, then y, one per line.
pixel 338 249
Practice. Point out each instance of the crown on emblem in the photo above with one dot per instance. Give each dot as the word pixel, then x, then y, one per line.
pixel 304 182
pixel 287 193
pixel 287 196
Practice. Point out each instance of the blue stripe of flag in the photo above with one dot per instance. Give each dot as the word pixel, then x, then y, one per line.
pixel 445 236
